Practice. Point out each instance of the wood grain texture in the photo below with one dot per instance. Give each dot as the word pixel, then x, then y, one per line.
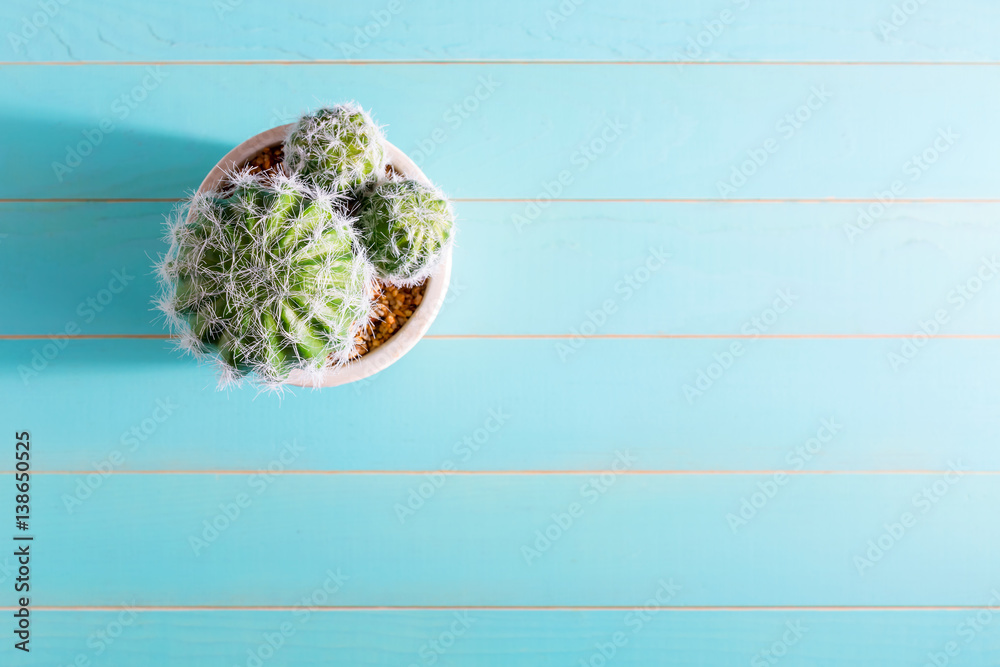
pixel 497 638
pixel 450 30
pixel 533 639
pixel 646 138
pixel 255 540
pixel 652 132
pixel 96 397
pixel 582 268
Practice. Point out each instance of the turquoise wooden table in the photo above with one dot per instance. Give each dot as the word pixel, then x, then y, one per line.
pixel 716 382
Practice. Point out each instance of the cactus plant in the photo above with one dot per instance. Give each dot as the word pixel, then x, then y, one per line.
pixel 337 148
pixel 269 274
pixel 405 226
pixel 266 279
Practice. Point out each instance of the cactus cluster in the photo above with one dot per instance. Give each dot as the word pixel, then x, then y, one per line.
pixel 271 273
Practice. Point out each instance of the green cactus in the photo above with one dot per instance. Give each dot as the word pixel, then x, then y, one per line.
pixel 405 227
pixel 267 277
pixel 337 148
pixel 272 274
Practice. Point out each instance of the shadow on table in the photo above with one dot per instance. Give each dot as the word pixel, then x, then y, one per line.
pixel 86 267
pixel 87 158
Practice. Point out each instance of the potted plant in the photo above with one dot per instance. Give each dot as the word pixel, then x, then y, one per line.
pixel 313 254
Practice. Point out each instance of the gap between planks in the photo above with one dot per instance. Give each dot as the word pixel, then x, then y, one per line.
pixel 581 608
pixel 509 473
pixel 512 61
pixel 720 336
pixel 566 200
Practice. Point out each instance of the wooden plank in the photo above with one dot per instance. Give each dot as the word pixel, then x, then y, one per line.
pixel 136 398
pixel 524 540
pixel 452 30
pixel 537 638
pixel 529 132
pixel 592 268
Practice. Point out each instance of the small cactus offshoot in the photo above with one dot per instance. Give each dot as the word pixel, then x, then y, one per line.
pixel 405 227
pixel 337 148
pixel 267 279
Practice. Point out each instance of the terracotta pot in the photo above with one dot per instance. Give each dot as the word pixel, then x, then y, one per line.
pixel 437 285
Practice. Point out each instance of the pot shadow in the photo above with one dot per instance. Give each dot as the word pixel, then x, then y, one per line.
pixel 86 267
pixel 89 359
pixel 66 158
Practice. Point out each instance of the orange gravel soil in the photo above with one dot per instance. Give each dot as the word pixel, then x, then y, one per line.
pixel 393 307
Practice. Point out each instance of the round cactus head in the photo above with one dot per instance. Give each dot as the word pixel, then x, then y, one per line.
pixel 265 279
pixel 337 148
pixel 405 226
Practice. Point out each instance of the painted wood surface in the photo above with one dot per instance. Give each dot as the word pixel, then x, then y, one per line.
pixel 534 639
pixel 754 481
pixel 404 30
pixel 583 268
pixel 654 131
pixel 530 540
pixel 524 407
